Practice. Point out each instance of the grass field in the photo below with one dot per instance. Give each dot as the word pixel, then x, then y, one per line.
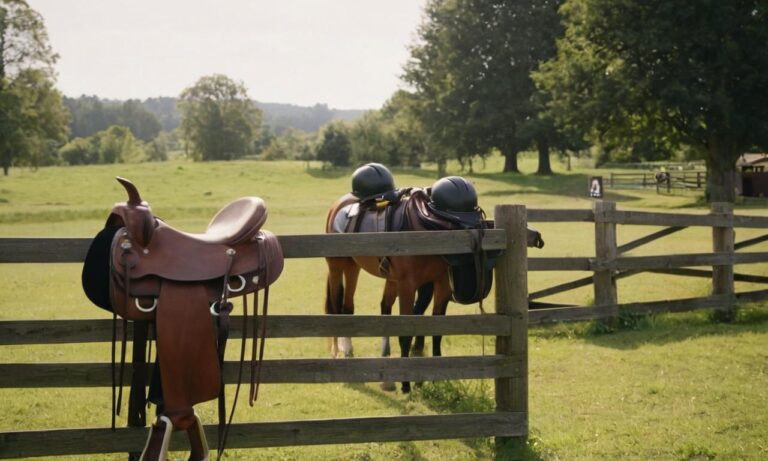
pixel 677 387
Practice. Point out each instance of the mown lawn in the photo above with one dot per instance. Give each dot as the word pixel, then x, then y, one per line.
pixel 674 387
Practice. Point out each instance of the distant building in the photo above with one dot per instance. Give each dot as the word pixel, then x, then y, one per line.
pixel 752 175
pixel 752 162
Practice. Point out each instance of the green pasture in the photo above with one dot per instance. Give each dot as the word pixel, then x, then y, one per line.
pixel 669 387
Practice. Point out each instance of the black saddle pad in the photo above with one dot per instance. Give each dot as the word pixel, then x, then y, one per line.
pixel 95 277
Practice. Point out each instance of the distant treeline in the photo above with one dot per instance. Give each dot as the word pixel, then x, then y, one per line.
pixel 91 114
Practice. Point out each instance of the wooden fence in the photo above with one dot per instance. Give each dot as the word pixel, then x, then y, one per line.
pixel 508 366
pixel 609 264
pixel 673 180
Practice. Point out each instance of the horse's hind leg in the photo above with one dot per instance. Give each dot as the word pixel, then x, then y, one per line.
pixel 387 300
pixel 422 302
pixel 340 294
pixel 351 274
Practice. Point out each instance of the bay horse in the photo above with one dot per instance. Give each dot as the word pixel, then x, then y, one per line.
pixel 405 276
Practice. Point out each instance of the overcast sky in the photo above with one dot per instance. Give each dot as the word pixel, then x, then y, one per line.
pixel 345 53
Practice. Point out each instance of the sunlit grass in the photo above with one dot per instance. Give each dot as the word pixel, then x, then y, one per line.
pixel 673 387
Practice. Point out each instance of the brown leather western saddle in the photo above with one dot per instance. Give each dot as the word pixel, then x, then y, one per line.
pixel 142 269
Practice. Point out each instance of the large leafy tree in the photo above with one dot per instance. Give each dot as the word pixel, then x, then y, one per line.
pixel 335 146
pixel 472 70
pixel 672 71
pixel 219 121
pixel 32 118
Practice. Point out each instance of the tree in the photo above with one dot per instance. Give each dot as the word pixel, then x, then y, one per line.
pixel 32 119
pixel 472 69
pixel 219 121
pixel 80 151
pixel 118 145
pixel 677 71
pixel 370 140
pixel 335 147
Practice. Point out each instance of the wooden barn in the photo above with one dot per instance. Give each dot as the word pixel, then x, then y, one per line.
pixel 752 175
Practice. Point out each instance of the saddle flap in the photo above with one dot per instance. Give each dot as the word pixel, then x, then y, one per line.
pixel 186 346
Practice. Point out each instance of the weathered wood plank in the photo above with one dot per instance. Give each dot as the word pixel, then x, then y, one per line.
pixel 578 283
pixel 605 253
pixel 278 326
pixel 708 274
pixel 673 261
pixel 91 441
pixel 754 222
pixel 751 296
pixel 750 242
pixel 648 218
pixel 511 278
pixel 560 264
pixel 307 371
pixel 543 215
pixel 647 239
pixel 581 313
pixel 62 250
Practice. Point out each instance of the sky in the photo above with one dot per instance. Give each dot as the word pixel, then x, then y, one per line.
pixel 348 54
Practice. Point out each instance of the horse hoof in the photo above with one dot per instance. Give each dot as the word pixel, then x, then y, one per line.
pixel 388 386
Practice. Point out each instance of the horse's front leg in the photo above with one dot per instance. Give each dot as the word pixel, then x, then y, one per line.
pixel 407 293
pixel 442 296
pixel 422 302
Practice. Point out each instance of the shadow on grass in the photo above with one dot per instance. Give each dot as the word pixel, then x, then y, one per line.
pixel 473 397
pixel 634 331
pixel 384 398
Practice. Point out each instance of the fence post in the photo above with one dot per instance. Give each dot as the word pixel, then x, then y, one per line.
pixel 605 255
pixel 511 282
pixel 723 242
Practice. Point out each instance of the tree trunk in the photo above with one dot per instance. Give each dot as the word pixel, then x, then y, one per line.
pixel 510 158
pixel 441 167
pixel 545 168
pixel 721 171
pixel 5 170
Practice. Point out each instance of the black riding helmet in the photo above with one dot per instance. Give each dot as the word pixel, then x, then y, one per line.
pixel 455 194
pixel 372 179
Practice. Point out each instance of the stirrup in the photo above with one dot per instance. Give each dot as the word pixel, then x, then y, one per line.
pixel 197 441
pixel 162 454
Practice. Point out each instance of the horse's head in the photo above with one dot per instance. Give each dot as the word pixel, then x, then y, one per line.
pixel 135 215
pixel 534 238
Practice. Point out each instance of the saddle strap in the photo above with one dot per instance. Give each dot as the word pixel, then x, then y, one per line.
pixel 224 425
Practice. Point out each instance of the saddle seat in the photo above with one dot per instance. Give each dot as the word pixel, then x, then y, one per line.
pixel 186 257
pixel 237 222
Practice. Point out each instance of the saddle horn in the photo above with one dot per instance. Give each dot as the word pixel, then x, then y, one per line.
pixel 134 214
pixel 134 199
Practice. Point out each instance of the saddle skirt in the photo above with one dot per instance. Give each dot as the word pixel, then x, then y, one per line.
pixel 354 218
